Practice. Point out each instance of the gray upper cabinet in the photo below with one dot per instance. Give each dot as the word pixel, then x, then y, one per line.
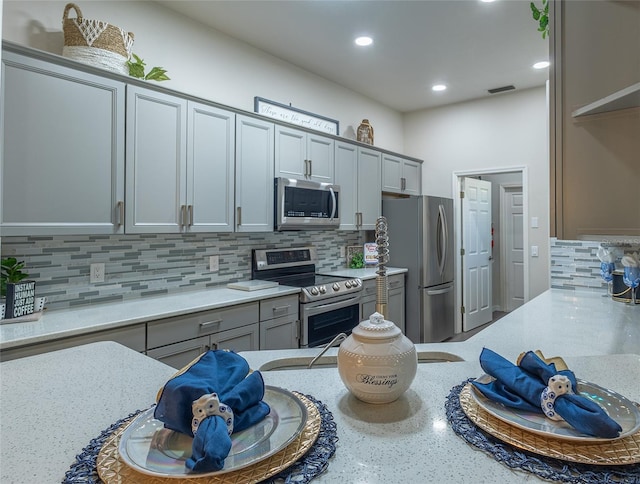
pixel 62 150
pixel 180 164
pixel 400 175
pixel 358 173
pixel 156 162
pixel 254 175
pixel 210 168
pixel 304 156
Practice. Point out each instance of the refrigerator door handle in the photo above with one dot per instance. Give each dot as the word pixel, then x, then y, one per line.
pixel 436 292
pixel 443 237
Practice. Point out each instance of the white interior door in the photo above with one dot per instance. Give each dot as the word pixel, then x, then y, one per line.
pixel 513 244
pixel 476 261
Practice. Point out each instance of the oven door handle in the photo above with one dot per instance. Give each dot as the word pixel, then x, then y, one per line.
pixel 331 306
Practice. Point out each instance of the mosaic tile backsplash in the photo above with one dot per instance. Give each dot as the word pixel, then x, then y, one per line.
pixel 151 265
pixel 575 265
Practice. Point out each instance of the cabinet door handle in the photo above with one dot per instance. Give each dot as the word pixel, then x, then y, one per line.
pixel 210 324
pixel 190 209
pixel 238 216
pixel 120 208
pixel 183 215
pixel 214 345
pixel 306 168
pixel 310 168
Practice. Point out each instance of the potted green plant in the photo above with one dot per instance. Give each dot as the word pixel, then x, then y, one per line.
pixel 11 272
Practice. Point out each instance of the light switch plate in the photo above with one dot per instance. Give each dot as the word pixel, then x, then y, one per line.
pixel 534 251
pixel 534 222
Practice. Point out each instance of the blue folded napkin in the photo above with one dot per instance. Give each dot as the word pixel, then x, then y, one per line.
pixel 228 375
pixel 521 386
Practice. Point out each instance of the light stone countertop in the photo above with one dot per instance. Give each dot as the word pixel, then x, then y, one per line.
pixel 364 273
pixel 75 393
pixel 64 323
pixel 557 322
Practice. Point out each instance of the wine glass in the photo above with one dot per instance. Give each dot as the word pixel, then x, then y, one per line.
pixel 631 279
pixel 606 272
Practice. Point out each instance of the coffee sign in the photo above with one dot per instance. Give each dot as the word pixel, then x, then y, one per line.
pixel 20 299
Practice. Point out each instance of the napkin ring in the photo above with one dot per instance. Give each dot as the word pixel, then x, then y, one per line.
pixel 556 386
pixel 210 405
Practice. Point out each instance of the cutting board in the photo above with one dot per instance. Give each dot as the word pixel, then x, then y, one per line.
pixel 252 285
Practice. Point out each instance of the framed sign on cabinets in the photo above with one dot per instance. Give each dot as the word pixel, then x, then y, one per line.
pixel 292 115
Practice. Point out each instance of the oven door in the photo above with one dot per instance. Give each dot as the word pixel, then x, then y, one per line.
pixel 323 320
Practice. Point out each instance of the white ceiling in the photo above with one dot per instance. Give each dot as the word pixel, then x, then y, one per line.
pixel 469 45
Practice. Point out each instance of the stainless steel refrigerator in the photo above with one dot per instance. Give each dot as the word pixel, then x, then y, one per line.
pixel 421 239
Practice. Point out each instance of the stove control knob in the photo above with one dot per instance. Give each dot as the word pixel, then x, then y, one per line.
pixel 356 282
pixel 336 286
pixel 314 291
pixel 322 289
pixel 347 284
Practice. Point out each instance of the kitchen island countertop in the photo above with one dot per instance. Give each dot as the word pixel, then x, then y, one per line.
pixel 80 391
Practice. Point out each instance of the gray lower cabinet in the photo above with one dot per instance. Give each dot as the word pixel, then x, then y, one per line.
pixel 395 303
pixel 180 354
pixel 178 340
pixel 279 323
pixel 62 138
pixel 131 336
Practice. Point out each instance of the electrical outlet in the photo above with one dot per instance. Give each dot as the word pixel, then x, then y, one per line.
pixel 343 252
pixel 96 273
pixel 214 263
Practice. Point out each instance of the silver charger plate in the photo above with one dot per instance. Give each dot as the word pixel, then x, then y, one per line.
pixel 149 448
pixel 619 408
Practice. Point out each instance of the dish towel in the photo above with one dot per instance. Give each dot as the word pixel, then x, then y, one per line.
pixel 218 381
pixel 522 386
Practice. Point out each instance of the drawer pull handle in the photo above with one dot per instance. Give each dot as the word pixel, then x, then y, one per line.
pixel 281 308
pixel 210 324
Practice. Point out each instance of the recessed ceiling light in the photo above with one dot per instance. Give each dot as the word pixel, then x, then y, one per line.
pixel 438 87
pixel 364 41
pixel 541 65
pixel 487 1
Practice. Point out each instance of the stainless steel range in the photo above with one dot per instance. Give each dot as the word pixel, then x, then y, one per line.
pixel 329 305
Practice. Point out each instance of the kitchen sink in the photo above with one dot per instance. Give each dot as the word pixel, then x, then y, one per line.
pixel 302 362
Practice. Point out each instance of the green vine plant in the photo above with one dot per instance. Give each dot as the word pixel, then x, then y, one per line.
pixel 542 17
pixel 136 69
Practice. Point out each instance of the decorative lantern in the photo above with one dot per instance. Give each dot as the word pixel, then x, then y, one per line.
pixel 365 132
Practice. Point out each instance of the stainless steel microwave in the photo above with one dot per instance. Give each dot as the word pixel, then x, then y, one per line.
pixel 304 204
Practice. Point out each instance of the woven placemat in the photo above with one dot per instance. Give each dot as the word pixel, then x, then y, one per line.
pixel 527 452
pixel 299 462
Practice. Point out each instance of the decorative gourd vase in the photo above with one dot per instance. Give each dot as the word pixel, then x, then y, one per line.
pixel 365 132
pixel 377 363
